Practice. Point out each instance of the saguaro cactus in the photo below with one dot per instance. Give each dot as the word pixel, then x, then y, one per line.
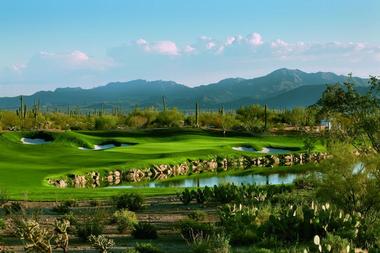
pixel 196 114
pixel 265 117
pixel 164 103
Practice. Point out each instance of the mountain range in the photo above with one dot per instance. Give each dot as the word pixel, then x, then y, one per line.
pixel 282 88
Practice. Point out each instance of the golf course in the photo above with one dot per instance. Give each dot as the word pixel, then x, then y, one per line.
pixel 25 167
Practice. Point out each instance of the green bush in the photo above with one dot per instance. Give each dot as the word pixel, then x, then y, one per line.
pixel 143 230
pixel 186 196
pixel 130 201
pixel 71 218
pixel 13 208
pixel 169 118
pixel 199 195
pixel 90 225
pixel 215 244
pixel 64 207
pixel 241 223
pixel 105 122
pixel 2 223
pixel 147 248
pixel 198 215
pixel 191 230
pixel 124 219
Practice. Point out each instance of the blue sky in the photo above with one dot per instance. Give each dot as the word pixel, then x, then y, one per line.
pixel 48 44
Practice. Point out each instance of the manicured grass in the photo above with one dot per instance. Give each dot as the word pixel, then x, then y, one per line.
pixel 24 169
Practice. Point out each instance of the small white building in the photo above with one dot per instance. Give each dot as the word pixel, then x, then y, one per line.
pixel 326 124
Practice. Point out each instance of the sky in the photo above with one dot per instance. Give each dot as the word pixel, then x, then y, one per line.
pixel 45 44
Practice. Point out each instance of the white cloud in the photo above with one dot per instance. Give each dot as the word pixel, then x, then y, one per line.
pixel 255 39
pixel 53 67
pixel 279 43
pixel 189 49
pixel 230 40
pixel 210 45
pixel 79 56
pixel 165 47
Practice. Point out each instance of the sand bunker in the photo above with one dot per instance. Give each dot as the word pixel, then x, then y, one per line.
pixel 263 151
pixel 103 147
pixel 245 149
pixel 35 141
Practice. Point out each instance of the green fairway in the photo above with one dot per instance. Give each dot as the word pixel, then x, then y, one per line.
pixel 24 169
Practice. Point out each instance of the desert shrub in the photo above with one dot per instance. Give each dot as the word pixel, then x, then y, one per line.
pixel 258 250
pixel 331 243
pixel 105 122
pixel 101 243
pixel 230 193
pixel 71 218
pixel 197 215
pixel 64 207
pixel 186 196
pixel 199 195
pixel 302 223
pixel 131 250
pixel 90 225
pixel 13 208
pixel 306 182
pixel 61 234
pixel 2 223
pixel 143 230
pixel 141 118
pixel 130 201
pixel 35 237
pixel 147 248
pixel 241 222
pixel 169 118
pixel 218 243
pixel 124 219
pixel 94 203
pixel 191 230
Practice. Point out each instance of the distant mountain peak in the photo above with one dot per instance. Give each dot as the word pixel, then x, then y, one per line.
pixel 283 85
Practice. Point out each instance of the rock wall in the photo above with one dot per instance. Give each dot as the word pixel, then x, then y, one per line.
pixel 164 171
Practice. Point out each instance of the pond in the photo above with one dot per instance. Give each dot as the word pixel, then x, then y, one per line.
pixel 265 150
pixel 249 178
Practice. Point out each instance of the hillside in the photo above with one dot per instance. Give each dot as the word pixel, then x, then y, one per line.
pixel 282 88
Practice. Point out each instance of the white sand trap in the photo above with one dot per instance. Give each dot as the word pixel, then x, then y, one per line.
pixel 245 149
pixel 103 147
pixel 35 141
pixel 274 151
pixel 263 151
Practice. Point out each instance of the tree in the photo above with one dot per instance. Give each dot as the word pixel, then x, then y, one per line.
pixel 355 116
pixel 169 118
pixel 228 122
pixel 351 183
pixel 252 118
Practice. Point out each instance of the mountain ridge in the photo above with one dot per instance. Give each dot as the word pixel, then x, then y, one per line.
pixel 272 89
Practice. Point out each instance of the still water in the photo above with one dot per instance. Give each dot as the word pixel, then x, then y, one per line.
pixel 216 180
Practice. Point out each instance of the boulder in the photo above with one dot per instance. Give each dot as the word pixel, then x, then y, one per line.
pixel 79 181
pixel 134 175
pixel 60 183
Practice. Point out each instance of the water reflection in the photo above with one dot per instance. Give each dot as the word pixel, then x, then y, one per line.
pixel 210 181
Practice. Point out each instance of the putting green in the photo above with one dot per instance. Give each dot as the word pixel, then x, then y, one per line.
pixel 25 168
